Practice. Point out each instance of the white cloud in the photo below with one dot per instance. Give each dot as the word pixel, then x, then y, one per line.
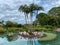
pixel 9 8
pixel 1 16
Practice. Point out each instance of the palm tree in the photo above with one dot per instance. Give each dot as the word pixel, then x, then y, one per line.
pixel 33 7
pixel 24 9
pixel 38 8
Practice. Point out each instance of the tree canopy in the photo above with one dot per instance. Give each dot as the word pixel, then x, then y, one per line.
pixel 45 19
pixel 54 11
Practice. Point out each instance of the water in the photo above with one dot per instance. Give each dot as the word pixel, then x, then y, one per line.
pixel 17 40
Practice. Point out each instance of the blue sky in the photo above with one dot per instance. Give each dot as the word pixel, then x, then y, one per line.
pixel 9 8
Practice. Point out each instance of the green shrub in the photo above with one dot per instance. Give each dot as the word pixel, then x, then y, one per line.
pixel 40 29
pixel 11 30
pixel 43 29
pixel 2 30
pixel 48 26
pixel 16 29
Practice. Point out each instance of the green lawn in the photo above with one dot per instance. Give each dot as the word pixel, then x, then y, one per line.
pixel 50 36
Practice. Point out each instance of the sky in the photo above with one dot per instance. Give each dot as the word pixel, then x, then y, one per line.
pixel 9 8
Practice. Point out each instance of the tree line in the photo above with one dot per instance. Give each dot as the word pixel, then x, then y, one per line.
pixel 52 17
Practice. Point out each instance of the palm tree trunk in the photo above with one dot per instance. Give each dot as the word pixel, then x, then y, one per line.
pixel 31 17
pixel 31 21
pixel 36 15
pixel 56 21
pixel 25 19
pixel 37 12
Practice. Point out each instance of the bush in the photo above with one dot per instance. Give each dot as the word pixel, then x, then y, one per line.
pixel 43 29
pixel 11 30
pixel 2 30
pixel 40 29
pixel 48 26
pixel 16 29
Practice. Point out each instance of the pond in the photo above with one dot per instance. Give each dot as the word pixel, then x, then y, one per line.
pixel 18 40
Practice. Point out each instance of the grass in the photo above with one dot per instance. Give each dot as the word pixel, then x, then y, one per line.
pixel 50 36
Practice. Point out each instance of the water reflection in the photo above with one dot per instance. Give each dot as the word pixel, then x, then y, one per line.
pixel 30 42
pixel 12 38
pixel 33 42
pixel 17 40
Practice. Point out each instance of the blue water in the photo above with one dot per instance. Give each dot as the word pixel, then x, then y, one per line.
pixel 36 42
pixel 19 41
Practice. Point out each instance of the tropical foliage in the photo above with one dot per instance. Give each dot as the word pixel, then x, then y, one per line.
pixel 44 21
pixel 29 9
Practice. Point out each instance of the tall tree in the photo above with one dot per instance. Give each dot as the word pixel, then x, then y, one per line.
pixel 25 9
pixel 56 13
pixel 38 8
pixel 45 19
pixel 33 7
